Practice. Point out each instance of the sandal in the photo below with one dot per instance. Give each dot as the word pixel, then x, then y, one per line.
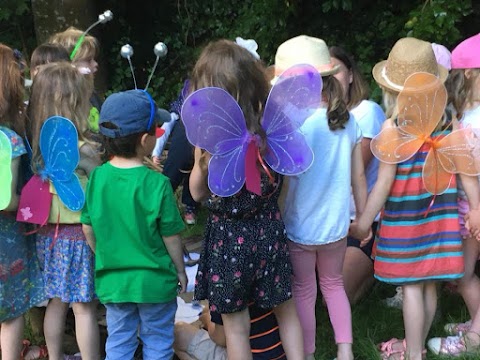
pixel 33 352
pixel 388 353
pixel 386 348
pixel 453 345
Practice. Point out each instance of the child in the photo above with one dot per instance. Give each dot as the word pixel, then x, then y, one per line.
pixel 358 264
pixel 463 84
pixel 418 241
pixel 192 342
pixel 132 222
pixel 245 255
pixel 84 59
pixel 316 206
pixel 59 89
pixel 45 54
pixel 21 282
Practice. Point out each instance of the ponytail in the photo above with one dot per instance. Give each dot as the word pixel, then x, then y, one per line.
pixel 337 112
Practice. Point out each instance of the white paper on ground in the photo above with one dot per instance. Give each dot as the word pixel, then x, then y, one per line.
pixel 187 312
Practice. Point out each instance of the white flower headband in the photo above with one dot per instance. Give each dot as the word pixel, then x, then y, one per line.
pixel 249 44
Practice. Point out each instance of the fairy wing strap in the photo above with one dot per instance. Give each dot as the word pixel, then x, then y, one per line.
pixel 421 106
pixel 214 121
pixel 59 149
pixel 5 170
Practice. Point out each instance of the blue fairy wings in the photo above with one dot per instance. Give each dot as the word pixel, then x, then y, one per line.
pixel 59 149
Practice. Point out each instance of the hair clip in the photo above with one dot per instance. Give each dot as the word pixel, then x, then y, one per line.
pixel 160 50
pixel 102 19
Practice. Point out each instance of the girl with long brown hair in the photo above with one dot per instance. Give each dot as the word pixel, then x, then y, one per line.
pixel 245 256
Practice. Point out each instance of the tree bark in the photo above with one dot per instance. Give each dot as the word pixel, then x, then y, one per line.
pixel 51 16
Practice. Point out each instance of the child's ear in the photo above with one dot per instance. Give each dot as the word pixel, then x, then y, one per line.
pixel 143 139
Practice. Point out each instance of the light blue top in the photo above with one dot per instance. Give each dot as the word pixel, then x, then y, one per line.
pixel 316 203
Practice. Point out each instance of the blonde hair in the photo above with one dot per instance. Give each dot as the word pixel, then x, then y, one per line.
pixel 389 99
pixel 58 89
pixel 11 92
pixel 69 38
pixel 461 89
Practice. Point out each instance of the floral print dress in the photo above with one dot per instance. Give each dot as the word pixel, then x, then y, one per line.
pixel 21 282
pixel 245 254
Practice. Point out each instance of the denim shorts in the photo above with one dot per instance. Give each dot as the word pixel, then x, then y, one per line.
pixel 153 323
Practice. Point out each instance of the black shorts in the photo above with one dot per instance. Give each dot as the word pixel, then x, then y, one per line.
pixel 367 249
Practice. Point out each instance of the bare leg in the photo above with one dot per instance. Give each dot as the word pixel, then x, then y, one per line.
pixel 86 329
pixel 11 338
pixel 290 329
pixel 357 274
pixel 237 332
pixel 469 284
pixel 184 334
pixel 414 319
pixel 54 328
pixel 430 306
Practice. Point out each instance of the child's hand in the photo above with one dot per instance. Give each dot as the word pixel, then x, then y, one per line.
pixel 365 241
pixel 182 278
pixel 156 160
pixel 201 158
pixel 472 223
pixel 358 233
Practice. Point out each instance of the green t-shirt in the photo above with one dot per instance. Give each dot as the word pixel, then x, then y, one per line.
pixel 130 210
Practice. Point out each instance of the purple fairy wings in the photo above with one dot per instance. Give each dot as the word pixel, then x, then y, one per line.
pixel 215 122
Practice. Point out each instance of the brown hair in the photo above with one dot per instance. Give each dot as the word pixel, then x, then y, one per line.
pixel 358 89
pixel 68 39
pixel 460 89
pixel 226 65
pixel 11 92
pixel 58 89
pixel 47 53
pixel 337 112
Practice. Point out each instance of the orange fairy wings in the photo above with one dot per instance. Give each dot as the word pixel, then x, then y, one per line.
pixel 421 106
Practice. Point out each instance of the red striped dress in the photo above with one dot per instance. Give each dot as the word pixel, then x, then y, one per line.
pixel 417 243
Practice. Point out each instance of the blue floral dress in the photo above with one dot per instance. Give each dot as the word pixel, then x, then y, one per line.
pixel 21 281
pixel 245 255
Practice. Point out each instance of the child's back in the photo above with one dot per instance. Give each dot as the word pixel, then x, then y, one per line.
pixel 130 210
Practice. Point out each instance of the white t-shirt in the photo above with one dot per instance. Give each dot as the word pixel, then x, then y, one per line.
pixel 315 204
pixel 370 117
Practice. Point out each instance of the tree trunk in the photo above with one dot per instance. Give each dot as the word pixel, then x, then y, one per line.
pixel 51 16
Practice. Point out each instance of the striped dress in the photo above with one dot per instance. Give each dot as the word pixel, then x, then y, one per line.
pixel 417 243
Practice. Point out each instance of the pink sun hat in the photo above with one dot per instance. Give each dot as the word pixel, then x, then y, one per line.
pixel 467 54
pixel 443 56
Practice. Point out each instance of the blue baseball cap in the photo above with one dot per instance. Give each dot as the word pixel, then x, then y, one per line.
pixel 130 112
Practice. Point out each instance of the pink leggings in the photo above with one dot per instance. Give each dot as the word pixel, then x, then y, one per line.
pixel 328 261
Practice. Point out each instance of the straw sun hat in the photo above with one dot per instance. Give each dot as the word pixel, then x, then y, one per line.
pixel 304 50
pixel 408 55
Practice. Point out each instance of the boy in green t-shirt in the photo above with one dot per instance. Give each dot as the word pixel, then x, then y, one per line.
pixel 131 222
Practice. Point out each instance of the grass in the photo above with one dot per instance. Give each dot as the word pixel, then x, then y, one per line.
pixel 373 322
